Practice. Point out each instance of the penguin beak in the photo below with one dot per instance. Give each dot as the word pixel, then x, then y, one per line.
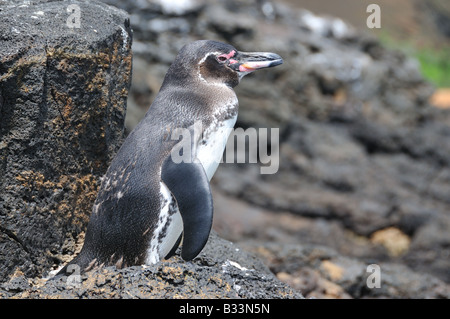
pixel 251 61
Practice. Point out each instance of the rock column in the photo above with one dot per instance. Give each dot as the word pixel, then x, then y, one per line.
pixel 65 72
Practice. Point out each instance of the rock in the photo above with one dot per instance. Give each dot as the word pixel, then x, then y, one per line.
pixel 395 241
pixel 63 100
pixel 174 7
pixel 222 270
pixel 330 275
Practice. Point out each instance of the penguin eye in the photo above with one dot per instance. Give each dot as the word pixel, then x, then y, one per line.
pixel 222 58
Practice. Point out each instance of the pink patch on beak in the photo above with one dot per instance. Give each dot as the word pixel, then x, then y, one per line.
pixel 252 66
pixel 229 55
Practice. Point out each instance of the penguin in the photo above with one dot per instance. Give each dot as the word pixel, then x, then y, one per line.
pixel 148 203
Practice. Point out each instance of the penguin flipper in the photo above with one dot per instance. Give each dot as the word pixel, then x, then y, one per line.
pixel 190 187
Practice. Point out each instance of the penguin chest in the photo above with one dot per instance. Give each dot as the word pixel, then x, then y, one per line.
pixel 211 146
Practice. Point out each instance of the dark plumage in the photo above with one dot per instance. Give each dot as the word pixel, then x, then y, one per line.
pixel 147 201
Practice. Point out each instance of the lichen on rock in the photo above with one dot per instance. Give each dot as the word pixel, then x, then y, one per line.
pixel 62 108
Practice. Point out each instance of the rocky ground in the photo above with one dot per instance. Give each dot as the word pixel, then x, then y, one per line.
pixel 364 167
pixel 222 271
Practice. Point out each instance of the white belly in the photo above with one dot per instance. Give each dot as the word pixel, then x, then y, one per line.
pixel 210 149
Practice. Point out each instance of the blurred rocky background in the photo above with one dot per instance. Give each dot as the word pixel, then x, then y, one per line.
pixel 364 172
pixel 364 119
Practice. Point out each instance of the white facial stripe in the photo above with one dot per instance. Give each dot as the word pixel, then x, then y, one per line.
pixel 220 84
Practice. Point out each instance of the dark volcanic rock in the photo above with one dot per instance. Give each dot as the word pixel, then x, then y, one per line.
pixel 222 270
pixel 63 98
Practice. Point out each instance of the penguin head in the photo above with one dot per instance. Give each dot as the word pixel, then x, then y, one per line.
pixel 218 63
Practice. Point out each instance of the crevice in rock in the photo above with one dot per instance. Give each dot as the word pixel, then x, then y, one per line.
pixel 14 237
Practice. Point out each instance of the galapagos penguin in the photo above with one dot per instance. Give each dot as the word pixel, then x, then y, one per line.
pixel 148 202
